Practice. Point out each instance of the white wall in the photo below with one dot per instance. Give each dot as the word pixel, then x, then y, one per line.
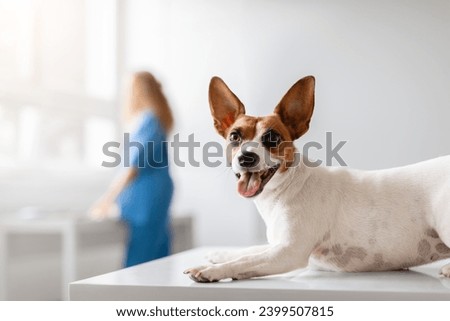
pixel 382 72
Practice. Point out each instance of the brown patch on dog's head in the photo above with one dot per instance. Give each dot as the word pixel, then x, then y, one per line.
pixel 245 126
pixel 273 130
pixel 243 129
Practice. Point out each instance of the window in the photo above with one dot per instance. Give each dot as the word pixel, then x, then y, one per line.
pixel 57 83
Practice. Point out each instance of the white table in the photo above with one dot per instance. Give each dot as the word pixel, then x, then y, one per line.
pixel 72 227
pixel 67 226
pixel 163 280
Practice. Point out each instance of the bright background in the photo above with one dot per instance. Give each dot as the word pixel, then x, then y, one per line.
pixel 382 73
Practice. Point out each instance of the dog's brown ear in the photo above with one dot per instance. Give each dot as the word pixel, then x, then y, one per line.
pixel 296 107
pixel 225 106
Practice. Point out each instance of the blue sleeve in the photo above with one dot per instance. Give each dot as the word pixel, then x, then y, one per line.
pixel 144 141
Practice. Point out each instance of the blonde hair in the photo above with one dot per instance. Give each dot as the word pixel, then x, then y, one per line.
pixel 145 93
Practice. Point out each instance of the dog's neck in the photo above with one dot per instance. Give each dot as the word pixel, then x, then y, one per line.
pixel 282 198
pixel 281 182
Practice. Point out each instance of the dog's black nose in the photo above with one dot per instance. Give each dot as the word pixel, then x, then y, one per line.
pixel 248 159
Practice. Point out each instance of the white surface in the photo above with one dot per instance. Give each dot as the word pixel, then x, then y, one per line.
pixel 164 280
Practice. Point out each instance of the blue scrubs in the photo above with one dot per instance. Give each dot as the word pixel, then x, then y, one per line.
pixel 145 202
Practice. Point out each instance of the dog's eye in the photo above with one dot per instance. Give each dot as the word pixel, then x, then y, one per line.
pixel 235 137
pixel 271 139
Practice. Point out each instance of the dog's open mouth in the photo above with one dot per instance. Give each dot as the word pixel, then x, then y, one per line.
pixel 252 183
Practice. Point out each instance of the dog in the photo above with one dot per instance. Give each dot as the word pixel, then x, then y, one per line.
pixel 330 218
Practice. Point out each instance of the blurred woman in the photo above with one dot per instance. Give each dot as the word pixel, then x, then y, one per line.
pixel 143 191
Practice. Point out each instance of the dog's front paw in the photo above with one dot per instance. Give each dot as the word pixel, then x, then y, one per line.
pixel 203 274
pixel 445 271
pixel 218 256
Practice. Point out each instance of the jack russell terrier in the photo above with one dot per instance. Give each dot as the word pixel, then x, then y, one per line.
pixel 334 219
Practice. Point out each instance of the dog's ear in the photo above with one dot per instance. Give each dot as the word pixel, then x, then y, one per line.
pixel 225 106
pixel 296 107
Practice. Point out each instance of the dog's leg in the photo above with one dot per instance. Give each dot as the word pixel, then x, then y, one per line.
pixel 445 271
pixel 231 255
pixel 444 247
pixel 274 260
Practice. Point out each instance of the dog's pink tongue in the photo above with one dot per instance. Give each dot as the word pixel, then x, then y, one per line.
pixel 249 184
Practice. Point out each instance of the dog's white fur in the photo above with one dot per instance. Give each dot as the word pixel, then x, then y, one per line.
pixel 345 220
